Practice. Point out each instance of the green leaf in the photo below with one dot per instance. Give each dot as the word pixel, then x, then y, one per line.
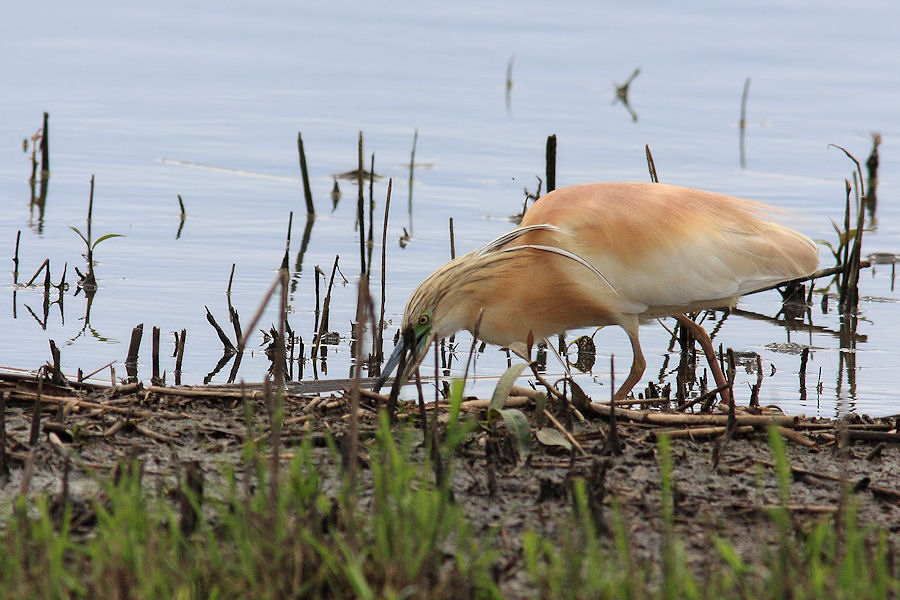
pixel 551 437
pixel 105 237
pixel 81 235
pixel 456 398
pixel 517 424
pixel 504 386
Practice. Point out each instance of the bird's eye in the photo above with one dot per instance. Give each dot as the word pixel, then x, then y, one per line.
pixel 424 320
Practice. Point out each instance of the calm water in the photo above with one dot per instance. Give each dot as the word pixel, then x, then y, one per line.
pixel 141 96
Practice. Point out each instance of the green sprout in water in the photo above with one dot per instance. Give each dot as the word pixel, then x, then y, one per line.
pixel 88 281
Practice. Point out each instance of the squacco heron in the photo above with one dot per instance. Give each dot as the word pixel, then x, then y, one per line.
pixel 604 254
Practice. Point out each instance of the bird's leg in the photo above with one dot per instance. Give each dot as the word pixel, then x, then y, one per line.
pixel 701 336
pixel 638 364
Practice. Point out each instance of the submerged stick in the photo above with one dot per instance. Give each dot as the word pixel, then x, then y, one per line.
pixel 743 122
pixel 307 192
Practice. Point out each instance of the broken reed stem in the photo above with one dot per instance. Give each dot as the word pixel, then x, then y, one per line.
pixel 226 343
pixel 371 203
pixel 360 213
pixel 650 164
pixel 754 392
pixel 280 346
pixel 181 206
pixel 259 311
pixel 474 342
pixel 423 416
pixel 452 241
pixel 230 279
pixel 44 265
pixel 804 359
pixel 551 163
pixel 287 242
pixel 133 347
pixel 846 246
pixel 16 258
pixel 323 322
pixel 179 354
pixel 353 443
pixel 155 355
pixel 307 192
pixel 316 321
pixel 92 373
pixel 45 147
pixel 380 331
pixel 553 420
pixel 90 219
pixel 232 313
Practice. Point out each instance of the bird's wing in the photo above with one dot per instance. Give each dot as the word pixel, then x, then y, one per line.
pixel 720 265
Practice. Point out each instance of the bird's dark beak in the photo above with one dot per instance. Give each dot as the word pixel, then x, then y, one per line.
pixel 406 357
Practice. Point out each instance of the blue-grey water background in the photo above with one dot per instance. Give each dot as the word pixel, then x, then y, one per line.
pixel 146 96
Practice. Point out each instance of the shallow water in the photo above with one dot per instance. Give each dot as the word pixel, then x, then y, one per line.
pixel 147 99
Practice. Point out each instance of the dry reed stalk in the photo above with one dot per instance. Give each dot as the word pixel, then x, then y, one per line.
pixel 650 164
pixel 380 330
pixel 307 192
pixel 360 213
pixel 551 162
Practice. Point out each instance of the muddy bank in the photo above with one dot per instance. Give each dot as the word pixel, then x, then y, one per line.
pixel 722 489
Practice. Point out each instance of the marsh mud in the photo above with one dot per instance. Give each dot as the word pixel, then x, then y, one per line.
pixel 722 489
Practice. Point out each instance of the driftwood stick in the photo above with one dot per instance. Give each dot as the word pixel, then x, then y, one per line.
pixel 565 433
pixel 658 418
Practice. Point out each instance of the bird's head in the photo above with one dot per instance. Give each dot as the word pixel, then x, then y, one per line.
pixel 439 307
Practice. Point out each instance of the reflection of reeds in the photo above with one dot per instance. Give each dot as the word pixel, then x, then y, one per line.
pixel 743 122
pixel 360 212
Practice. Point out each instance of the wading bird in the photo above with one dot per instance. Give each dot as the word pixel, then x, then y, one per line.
pixel 604 254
